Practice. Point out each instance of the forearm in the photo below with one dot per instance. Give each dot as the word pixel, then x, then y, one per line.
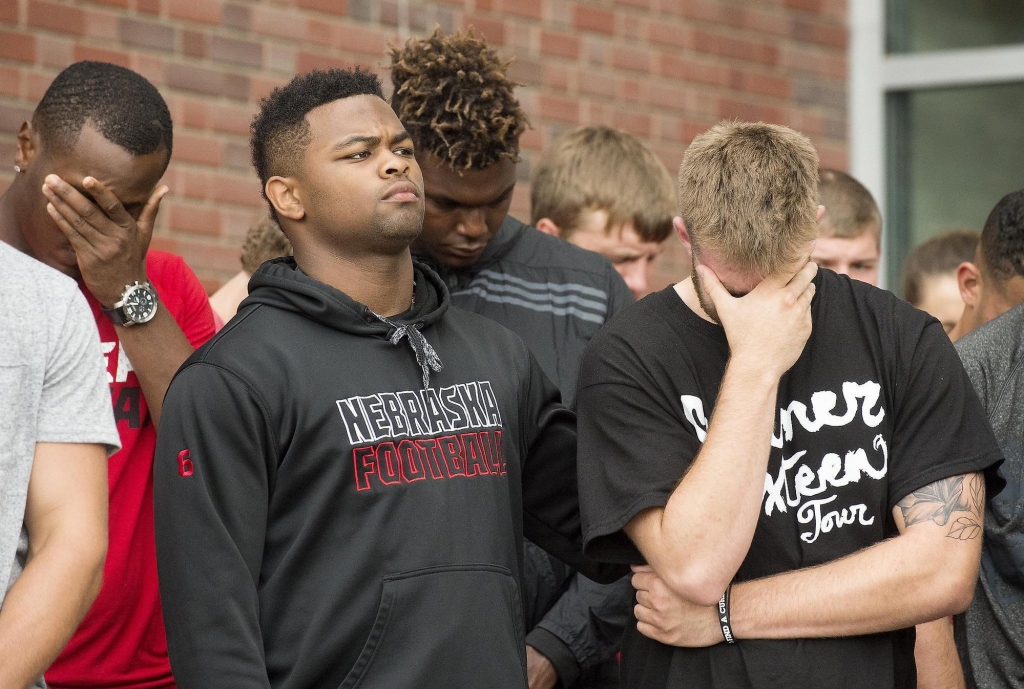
pixel 584 627
pixel 45 606
pixel 938 665
pixel 892 585
pixel 157 350
pixel 707 525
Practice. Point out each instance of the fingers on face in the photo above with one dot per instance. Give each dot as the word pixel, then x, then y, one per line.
pixel 70 232
pixel 106 200
pixel 804 276
pixel 712 285
pixel 67 194
pixel 68 219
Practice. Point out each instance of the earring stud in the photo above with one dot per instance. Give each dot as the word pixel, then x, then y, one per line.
pixel 17 168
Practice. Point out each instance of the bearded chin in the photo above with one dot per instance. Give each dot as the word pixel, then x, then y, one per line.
pixel 702 296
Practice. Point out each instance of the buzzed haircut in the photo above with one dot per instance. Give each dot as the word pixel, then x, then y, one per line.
pixel 850 210
pixel 263 241
pixel 280 132
pixel 121 104
pixel 455 99
pixel 600 168
pixel 1002 238
pixel 940 255
pixel 749 191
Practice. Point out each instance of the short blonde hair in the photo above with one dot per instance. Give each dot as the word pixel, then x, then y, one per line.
pixel 938 256
pixel 749 191
pixel 599 168
pixel 850 210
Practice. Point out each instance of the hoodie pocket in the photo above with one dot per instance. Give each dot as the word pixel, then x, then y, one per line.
pixel 454 626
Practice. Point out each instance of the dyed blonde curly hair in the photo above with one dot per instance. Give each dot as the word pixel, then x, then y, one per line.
pixel 455 99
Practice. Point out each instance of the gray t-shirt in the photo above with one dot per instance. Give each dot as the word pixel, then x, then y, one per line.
pixel 53 386
pixel 990 635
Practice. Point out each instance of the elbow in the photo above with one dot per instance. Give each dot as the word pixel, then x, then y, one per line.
pixel 957 585
pixel 961 591
pixel 698 585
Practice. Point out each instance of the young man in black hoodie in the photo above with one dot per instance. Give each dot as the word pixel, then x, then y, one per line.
pixel 453 94
pixel 345 473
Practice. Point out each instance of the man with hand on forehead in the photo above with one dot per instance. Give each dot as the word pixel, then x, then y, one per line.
pixel 792 460
pixel 84 201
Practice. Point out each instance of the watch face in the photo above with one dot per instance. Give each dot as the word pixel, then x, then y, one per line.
pixel 140 304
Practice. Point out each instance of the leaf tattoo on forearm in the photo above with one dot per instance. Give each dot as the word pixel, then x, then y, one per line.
pixel 940 502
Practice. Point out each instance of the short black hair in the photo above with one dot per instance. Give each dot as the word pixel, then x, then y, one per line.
pixel 121 104
pixel 1002 238
pixel 280 131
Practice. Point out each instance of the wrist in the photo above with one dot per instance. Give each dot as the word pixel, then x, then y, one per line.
pixel 112 291
pixel 753 372
pixel 739 622
pixel 723 617
pixel 556 653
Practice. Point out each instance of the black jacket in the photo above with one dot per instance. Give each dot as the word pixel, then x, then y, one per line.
pixel 325 519
pixel 551 293
pixel 555 296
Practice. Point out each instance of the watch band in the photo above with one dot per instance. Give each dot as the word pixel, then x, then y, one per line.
pixel 117 315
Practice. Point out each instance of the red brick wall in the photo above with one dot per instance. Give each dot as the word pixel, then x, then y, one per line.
pixel 663 69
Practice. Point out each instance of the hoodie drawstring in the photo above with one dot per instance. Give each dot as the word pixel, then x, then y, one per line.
pixel 426 356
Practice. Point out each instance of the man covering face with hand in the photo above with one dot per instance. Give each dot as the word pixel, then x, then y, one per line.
pixel 84 201
pixel 793 461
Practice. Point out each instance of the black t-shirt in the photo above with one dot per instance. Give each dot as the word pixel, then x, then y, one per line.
pixel 877 405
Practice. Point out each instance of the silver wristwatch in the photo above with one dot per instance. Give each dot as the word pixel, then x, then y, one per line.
pixel 138 305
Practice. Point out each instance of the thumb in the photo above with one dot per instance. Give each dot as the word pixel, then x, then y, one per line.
pixel 712 287
pixel 147 218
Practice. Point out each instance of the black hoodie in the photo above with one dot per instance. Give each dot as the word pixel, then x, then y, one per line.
pixel 340 501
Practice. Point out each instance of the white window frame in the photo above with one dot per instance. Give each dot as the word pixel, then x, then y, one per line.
pixel 873 75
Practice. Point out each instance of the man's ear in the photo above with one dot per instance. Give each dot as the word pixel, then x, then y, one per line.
pixel 684 235
pixel 28 146
pixel 548 226
pixel 285 197
pixel 968 279
pixel 821 213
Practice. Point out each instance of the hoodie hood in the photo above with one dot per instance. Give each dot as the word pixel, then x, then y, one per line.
pixel 279 283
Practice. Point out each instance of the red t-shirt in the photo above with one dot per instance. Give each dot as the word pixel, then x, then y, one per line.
pixel 121 642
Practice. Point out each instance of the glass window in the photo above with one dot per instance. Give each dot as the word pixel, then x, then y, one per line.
pixel 921 25
pixel 952 154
